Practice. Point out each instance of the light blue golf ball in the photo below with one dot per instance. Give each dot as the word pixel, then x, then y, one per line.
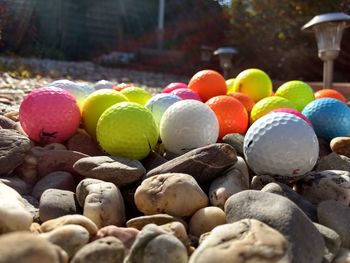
pixel 330 117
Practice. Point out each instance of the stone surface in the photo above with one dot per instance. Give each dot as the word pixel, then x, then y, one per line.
pixel 102 202
pixel 284 190
pixel 205 219
pixel 337 217
pixel 7 123
pixel 56 180
pixel 204 164
pixel 244 241
pixel 153 160
pixel 157 219
pixel 81 220
pixel 13 213
pixel 82 142
pixel 176 194
pixel 126 235
pixel 13 148
pixel 32 206
pixel 25 247
pixel 232 181
pixel 325 185
pixel 17 184
pixel 153 244
pixel 259 181
pixel 55 203
pixel 179 231
pixel 69 237
pixel 279 212
pixel 333 161
pixel 117 170
pixel 343 256
pixel 106 250
pixel 341 145
pixel 332 241
pixel 236 140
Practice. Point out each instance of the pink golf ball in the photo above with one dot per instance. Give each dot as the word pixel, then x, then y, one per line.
pixel 295 112
pixel 173 86
pixel 49 114
pixel 186 94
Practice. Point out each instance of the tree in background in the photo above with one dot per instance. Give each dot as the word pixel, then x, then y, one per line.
pixel 268 35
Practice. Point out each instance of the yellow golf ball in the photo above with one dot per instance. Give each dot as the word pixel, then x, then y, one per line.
pixel 136 94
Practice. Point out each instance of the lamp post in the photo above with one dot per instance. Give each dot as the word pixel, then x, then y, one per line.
pixel 328 29
pixel 225 56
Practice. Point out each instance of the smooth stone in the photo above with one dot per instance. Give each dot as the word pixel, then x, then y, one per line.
pixel 325 185
pixel 58 160
pixel 7 123
pixel 343 256
pixel 77 219
pixel 153 244
pixel 246 240
pixel 25 247
pixel 69 237
pixel 341 145
pixel 55 146
pixel 106 250
pixel 126 235
pixel 13 213
pixel 337 217
pixel 117 170
pixel 306 243
pixel 17 184
pixel 13 148
pixel 153 160
pixel 178 230
pixel 55 203
pixel 332 241
pixel 204 163
pixel 205 219
pixel 102 202
pixel 56 180
pixel 242 166
pixel 333 161
pixel 284 190
pixel 32 206
pixel 236 140
pixel 35 228
pixel 259 181
pixel 231 182
pixel 324 147
pixel 176 194
pixel 157 219
pixel 82 142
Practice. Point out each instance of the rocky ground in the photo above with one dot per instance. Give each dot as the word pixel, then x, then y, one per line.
pixel 70 202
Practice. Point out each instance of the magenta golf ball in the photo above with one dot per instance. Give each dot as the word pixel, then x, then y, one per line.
pixel 173 86
pixel 49 114
pixel 295 112
pixel 186 94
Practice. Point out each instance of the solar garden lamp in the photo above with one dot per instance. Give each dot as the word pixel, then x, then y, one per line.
pixel 225 56
pixel 328 29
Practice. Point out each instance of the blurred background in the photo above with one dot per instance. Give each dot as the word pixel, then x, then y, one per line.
pixel 170 36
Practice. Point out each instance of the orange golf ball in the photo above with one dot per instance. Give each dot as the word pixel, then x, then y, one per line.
pixel 247 101
pixel 208 83
pixel 330 93
pixel 231 114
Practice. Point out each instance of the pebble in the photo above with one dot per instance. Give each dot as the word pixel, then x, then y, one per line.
pixel 13 148
pixel 343 256
pixel 325 185
pixel 307 245
pixel 170 193
pixel 259 181
pixel 247 240
pixel 126 235
pixel 82 142
pixel 25 247
pixel 204 163
pixel 153 160
pixel 178 230
pixel 16 183
pixel 236 140
pixel 337 217
pixel 341 145
pixel 157 219
pixel 332 241
pixel 107 250
pixel 7 123
pixel 117 170
pixel 333 161
pixel 55 203
pixel 32 206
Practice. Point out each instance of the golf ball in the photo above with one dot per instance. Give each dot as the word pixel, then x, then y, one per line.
pixel 330 117
pixel 136 94
pixel 49 114
pixel 297 92
pixel 127 129
pixel 104 84
pixel 188 124
pixel 281 144
pixel 159 103
pixel 295 112
pixel 173 86
pixel 186 94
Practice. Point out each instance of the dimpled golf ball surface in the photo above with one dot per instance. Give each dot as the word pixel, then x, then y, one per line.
pixel 49 114
pixel 280 144
pixel 187 125
pixel 330 117
pixel 127 129
pixel 159 103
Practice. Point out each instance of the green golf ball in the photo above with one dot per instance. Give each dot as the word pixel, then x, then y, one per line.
pixel 136 94
pixel 127 129
pixel 297 92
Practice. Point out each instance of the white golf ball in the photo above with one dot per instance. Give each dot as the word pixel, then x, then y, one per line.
pixel 104 84
pixel 188 124
pixel 159 103
pixel 281 144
